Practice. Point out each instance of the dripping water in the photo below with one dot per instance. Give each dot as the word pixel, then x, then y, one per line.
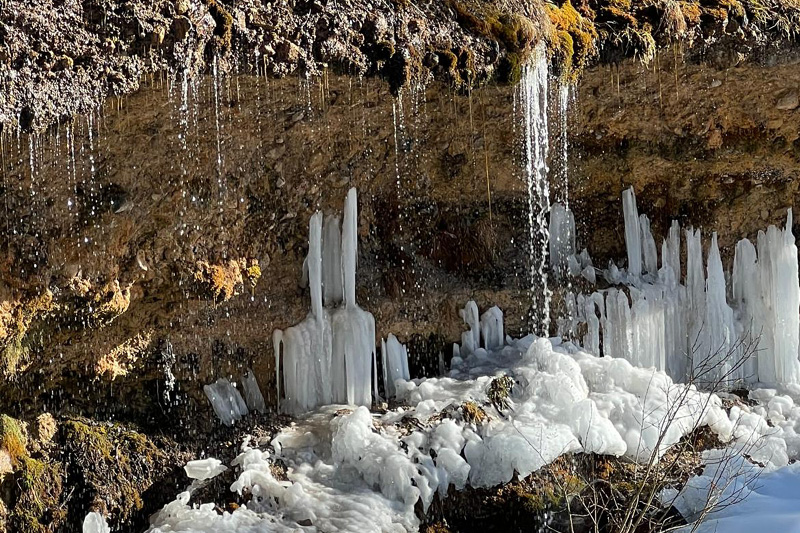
pixel 533 100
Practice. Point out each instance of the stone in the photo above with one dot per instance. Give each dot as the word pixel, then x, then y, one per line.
pixel 788 102
pixel 181 27
pixel 182 7
pixel 287 52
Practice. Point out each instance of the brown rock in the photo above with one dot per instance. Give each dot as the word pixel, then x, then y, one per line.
pixel 182 7
pixel 788 102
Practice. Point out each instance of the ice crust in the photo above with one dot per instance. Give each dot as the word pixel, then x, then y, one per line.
pixel 352 470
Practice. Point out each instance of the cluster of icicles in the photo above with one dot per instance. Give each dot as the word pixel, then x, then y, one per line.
pixel 692 330
pixel 329 357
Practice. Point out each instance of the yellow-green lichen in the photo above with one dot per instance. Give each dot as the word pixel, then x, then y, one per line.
pixel 37 508
pixel 13 439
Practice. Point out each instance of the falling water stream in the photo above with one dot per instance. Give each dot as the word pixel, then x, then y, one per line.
pixel 533 89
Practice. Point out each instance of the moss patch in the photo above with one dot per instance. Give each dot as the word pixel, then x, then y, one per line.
pixel 573 43
pixel 102 452
pixel 13 439
pixel 37 508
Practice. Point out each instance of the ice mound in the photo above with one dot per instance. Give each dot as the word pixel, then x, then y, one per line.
pixel 350 470
pixel 203 469
pixel 95 523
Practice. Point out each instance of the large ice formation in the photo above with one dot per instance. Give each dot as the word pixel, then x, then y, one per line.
pixel 330 356
pixel 688 327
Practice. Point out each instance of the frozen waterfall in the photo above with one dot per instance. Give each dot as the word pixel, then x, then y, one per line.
pixel 687 326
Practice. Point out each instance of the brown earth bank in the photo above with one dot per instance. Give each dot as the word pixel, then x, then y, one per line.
pixel 162 235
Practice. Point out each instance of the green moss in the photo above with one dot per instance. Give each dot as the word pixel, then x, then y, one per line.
pixel 573 44
pixel 515 31
pixel 37 508
pixel 13 439
pixel 110 451
pixel 89 438
pixel 538 502
pixel 509 69
pixel 13 356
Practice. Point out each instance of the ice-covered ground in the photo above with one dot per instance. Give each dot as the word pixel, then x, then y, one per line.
pixel 349 469
pixel 747 497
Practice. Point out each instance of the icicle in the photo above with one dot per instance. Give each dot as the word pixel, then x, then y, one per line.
pixel 562 239
pixel 252 393
pixel 353 328
pixel 633 235
pixel 491 325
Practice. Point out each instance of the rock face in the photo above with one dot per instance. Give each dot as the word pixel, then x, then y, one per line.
pixel 151 244
pixel 168 244
pixel 58 59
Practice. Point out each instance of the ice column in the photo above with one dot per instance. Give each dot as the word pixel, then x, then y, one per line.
pixel 721 360
pixel 696 298
pixel 492 329
pixel 331 261
pixel 470 340
pixel 395 363
pixel 780 290
pixel 633 235
pixel 330 356
pixel 353 328
pixel 648 244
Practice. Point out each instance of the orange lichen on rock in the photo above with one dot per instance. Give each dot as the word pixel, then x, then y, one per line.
pixel 120 360
pixel 224 281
